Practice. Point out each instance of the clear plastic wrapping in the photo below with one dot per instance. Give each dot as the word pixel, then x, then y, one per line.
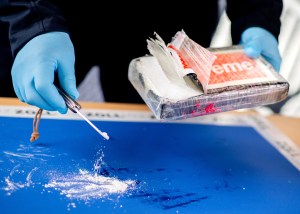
pixel 235 82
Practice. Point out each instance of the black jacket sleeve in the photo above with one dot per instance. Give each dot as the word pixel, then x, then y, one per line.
pixel 27 19
pixel 254 13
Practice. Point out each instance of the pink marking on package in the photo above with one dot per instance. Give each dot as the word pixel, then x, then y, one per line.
pixel 210 108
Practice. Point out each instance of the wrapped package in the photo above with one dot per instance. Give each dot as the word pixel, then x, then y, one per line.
pixel 182 79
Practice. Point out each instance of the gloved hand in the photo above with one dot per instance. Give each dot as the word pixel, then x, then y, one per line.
pixel 34 70
pixel 258 41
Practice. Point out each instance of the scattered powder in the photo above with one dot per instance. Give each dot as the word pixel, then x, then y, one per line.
pixel 12 186
pixel 83 185
pixel 87 186
pixel 99 162
pixel 71 205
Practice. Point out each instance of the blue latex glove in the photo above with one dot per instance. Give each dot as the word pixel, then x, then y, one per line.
pixel 34 69
pixel 257 41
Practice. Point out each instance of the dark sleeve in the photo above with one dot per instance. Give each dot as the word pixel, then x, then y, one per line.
pixel 27 19
pixel 254 13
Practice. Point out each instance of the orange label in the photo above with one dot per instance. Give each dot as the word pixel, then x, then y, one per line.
pixel 234 66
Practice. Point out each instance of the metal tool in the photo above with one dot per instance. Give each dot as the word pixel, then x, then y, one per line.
pixel 75 107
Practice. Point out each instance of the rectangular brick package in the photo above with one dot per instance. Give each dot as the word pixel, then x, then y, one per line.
pixel 182 80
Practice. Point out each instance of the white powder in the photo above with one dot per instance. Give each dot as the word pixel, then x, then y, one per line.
pixel 156 80
pixel 12 186
pixel 87 186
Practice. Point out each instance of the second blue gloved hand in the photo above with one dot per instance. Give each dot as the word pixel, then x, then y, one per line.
pixel 34 70
pixel 258 41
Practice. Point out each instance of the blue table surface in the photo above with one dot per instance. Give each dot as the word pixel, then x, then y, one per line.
pixel 176 168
